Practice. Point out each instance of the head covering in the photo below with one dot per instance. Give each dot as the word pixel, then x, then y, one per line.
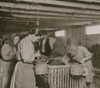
pixel 44 32
pixel 32 31
pixel 9 39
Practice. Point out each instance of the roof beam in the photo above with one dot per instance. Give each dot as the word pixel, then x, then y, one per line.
pixel 66 4
pixel 98 1
pixel 52 17
pixel 48 8
pixel 14 26
pixel 43 22
pixel 32 18
pixel 48 13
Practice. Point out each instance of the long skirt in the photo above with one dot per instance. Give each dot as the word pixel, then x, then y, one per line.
pixel 23 76
pixel 6 72
pixel 89 77
pixel 91 73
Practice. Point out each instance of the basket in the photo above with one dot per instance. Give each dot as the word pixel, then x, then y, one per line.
pixel 41 69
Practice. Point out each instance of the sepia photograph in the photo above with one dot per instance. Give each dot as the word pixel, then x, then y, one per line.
pixel 49 43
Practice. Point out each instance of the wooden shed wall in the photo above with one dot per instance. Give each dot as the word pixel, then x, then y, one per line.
pixel 77 33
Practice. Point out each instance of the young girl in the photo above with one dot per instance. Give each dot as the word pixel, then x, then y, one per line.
pixel 8 60
pixel 80 56
pixel 23 76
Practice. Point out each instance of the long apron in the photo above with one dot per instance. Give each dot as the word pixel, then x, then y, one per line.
pixel 91 73
pixel 23 76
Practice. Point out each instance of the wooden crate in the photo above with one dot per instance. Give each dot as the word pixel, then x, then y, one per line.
pixel 58 76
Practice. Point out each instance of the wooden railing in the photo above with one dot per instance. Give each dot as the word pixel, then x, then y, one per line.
pixel 58 77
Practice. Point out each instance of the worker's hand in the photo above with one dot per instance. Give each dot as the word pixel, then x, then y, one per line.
pixel 83 60
pixel 43 56
pixel 37 54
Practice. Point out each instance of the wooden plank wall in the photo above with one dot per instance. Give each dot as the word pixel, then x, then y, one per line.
pixel 77 33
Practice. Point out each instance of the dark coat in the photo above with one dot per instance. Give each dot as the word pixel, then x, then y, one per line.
pixel 47 48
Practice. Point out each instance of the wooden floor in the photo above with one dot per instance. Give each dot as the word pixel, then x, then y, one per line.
pixel 97 81
pixel 97 78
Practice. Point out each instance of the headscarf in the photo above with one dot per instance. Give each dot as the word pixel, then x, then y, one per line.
pixel 9 40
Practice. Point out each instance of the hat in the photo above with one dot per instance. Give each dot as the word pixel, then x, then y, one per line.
pixel 44 32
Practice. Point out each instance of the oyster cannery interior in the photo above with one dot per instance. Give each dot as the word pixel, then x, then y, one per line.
pixel 49 43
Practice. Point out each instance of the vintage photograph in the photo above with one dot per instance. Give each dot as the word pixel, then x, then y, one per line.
pixel 49 43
